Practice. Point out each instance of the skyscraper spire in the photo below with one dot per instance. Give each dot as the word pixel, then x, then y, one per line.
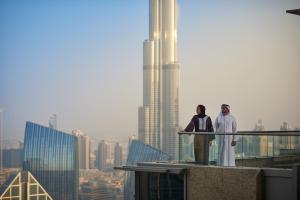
pixel 158 117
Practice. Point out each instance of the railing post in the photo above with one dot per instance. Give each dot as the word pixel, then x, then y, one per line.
pixel 179 147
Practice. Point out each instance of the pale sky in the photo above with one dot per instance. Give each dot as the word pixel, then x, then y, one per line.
pixel 82 60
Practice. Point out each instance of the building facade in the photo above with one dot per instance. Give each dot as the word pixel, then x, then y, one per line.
pixel 118 155
pixel 84 149
pixel 52 157
pixel 102 155
pixel 286 142
pixel 196 182
pixel 158 117
pixel 53 121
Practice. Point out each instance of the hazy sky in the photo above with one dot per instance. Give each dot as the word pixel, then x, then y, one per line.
pixel 83 61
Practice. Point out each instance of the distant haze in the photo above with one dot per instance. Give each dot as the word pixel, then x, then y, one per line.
pixel 82 60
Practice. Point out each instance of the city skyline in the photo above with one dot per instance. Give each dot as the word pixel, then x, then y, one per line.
pixel 54 63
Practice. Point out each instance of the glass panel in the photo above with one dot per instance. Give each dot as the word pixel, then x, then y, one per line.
pixel 41 191
pixel 31 180
pixel 17 181
pixel 166 186
pixel 186 148
pixel 15 191
pixel 7 194
pixel 42 197
pixel 33 189
pixel 253 149
pixel 33 198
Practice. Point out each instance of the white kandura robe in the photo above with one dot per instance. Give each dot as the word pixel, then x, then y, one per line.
pixel 226 124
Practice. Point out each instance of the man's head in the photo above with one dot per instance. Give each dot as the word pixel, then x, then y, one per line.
pixel 200 110
pixel 225 109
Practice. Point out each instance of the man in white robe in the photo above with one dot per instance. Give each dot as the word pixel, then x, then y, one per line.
pixel 226 123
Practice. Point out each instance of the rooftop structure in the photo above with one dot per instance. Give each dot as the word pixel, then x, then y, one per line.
pixel 273 176
pixel 140 152
pixel 295 11
pixel 23 186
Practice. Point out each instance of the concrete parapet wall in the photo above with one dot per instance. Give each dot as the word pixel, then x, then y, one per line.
pixel 217 183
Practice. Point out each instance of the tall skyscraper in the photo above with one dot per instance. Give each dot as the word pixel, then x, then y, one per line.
pixel 264 146
pixel 118 155
pixel 53 121
pixel 158 117
pixel 52 157
pixel 1 139
pixel 102 154
pixel 110 154
pixel 84 149
pixel 286 142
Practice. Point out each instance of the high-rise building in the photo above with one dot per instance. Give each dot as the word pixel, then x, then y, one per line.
pixel 253 146
pixel 53 121
pixel 23 186
pixel 286 142
pixel 93 157
pixel 52 157
pixel 143 124
pixel 102 154
pixel 263 141
pixel 110 154
pixel 84 149
pixel 118 155
pixel 297 139
pixel 158 117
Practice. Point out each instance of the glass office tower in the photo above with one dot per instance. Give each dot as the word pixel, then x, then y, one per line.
pixel 52 157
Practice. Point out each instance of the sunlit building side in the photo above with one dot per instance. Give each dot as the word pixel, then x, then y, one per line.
pixel 158 117
pixel 118 155
pixel 102 155
pixel 84 149
pixel 52 157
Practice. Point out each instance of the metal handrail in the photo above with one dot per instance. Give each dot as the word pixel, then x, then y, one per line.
pixel 243 133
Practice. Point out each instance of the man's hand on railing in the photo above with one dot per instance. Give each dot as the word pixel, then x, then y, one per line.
pixel 182 130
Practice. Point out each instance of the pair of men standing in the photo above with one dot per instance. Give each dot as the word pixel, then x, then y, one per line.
pixel 225 123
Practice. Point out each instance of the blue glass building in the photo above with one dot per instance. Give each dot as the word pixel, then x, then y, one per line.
pixel 52 157
pixel 140 152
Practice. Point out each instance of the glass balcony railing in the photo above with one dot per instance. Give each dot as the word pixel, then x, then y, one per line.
pixel 280 149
